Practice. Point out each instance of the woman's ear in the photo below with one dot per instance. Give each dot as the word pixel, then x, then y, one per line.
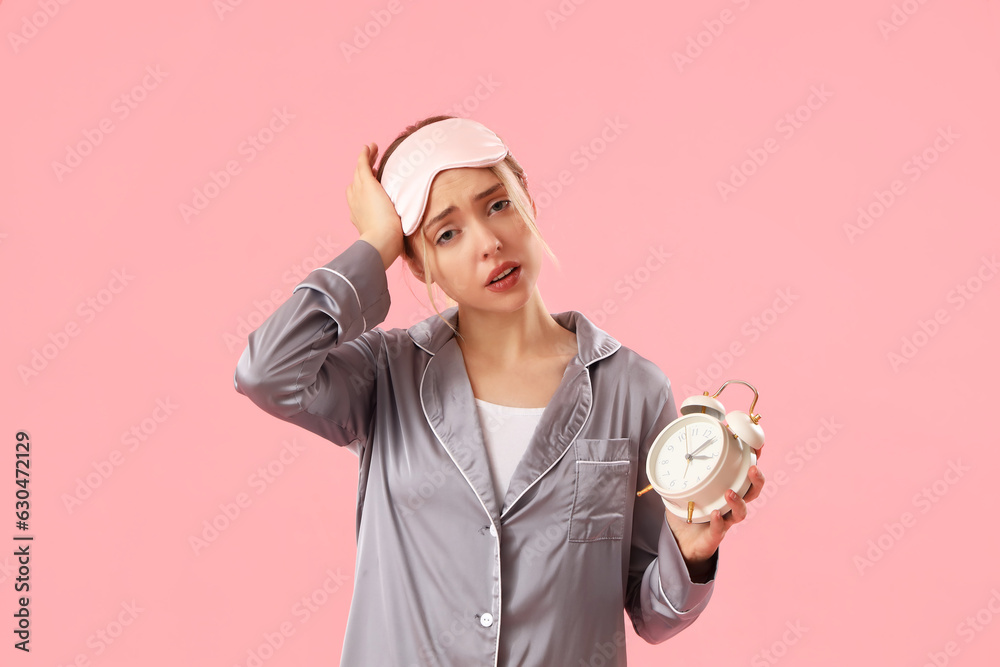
pixel 415 268
pixel 413 257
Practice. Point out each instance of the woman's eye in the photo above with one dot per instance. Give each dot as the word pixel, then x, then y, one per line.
pixel 444 238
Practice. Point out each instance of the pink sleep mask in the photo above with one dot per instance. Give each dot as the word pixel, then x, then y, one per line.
pixel 445 144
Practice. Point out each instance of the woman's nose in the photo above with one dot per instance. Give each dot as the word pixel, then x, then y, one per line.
pixel 488 240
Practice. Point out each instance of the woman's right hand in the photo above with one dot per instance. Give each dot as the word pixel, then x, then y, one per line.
pixel 372 212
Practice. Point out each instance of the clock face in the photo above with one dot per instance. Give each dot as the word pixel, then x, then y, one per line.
pixel 689 454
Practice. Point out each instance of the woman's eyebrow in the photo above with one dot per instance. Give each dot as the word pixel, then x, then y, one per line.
pixel 443 214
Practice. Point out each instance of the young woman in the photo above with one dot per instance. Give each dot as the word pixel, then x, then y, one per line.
pixel 500 446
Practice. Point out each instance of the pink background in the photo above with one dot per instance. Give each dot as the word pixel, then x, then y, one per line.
pixel 867 548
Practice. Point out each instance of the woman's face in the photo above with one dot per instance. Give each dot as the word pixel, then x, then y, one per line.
pixel 467 212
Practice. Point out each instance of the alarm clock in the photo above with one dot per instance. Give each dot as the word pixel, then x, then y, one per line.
pixel 703 453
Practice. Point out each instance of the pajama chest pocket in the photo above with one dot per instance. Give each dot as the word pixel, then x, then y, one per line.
pixel 601 491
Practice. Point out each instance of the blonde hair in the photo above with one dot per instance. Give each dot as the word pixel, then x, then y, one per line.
pixel 509 172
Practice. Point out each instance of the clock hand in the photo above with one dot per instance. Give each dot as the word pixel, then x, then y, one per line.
pixel 703 446
pixel 686 455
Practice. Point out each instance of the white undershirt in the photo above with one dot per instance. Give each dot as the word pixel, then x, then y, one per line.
pixel 506 433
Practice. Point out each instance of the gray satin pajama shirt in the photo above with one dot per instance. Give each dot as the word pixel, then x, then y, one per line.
pixel 448 574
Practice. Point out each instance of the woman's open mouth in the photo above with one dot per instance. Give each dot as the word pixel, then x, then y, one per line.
pixel 505 280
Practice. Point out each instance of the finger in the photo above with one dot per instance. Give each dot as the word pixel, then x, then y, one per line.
pixel 756 483
pixel 362 160
pixel 716 527
pixel 364 167
pixel 374 155
pixel 738 505
pixel 759 452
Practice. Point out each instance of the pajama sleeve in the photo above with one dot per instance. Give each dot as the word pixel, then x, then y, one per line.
pixel 313 361
pixel 661 599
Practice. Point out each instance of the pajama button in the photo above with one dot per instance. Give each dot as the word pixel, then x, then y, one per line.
pixel 486 620
pixel 493 530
